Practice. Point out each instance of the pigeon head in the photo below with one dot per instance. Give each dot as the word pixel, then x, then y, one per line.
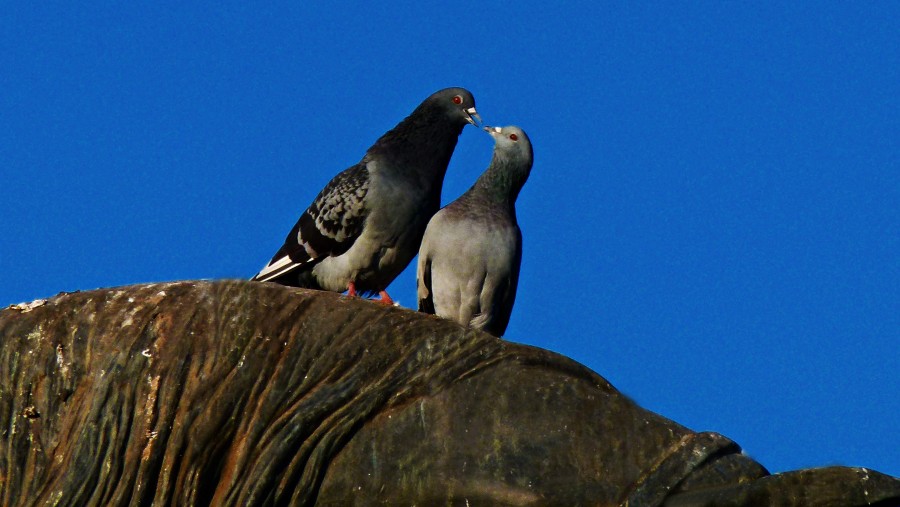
pixel 457 104
pixel 421 145
pixel 511 163
pixel 512 144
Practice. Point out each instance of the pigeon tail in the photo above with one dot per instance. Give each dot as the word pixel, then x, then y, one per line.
pixel 276 269
pixel 480 321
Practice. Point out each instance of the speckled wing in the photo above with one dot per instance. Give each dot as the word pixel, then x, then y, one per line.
pixel 328 227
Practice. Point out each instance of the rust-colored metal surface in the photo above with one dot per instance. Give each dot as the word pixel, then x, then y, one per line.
pixel 243 393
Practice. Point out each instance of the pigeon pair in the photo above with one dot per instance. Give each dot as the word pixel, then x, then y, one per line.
pixel 366 225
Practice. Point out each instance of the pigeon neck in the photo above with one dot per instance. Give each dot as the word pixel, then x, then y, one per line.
pixel 502 180
pixel 420 146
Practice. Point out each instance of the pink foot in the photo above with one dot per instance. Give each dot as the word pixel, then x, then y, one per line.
pixel 385 299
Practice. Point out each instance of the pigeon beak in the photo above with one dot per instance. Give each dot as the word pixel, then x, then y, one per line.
pixel 472 116
pixel 491 130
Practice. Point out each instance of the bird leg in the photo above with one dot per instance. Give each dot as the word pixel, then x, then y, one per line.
pixel 385 299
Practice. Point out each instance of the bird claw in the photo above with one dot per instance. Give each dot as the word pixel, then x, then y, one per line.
pixel 385 299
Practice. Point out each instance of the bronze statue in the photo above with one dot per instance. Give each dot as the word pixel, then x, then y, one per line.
pixel 243 393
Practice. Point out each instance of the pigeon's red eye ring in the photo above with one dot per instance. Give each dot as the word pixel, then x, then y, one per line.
pixel 458 99
pixel 514 137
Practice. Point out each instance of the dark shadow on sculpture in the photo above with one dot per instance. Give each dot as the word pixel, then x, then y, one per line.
pixel 242 393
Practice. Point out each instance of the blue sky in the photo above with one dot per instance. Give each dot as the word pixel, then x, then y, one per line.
pixel 712 222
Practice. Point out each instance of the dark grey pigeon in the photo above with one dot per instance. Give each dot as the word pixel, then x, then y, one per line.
pixel 469 259
pixel 363 228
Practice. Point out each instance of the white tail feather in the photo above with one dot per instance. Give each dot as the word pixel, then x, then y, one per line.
pixel 276 268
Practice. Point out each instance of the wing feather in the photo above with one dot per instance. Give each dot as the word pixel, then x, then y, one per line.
pixel 329 227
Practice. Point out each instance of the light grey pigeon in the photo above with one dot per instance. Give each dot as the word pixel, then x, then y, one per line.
pixel 469 260
pixel 363 228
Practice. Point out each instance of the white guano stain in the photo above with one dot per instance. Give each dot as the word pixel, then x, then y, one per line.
pixel 27 307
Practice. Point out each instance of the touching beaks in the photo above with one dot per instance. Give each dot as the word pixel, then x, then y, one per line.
pixel 472 116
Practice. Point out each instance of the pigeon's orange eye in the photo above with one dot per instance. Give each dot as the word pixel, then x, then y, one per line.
pixel 458 99
pixel 514 137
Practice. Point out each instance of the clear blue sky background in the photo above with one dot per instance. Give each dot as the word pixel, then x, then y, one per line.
pixel 712 222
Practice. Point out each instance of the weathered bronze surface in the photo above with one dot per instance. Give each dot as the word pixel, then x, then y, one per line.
pixel 243 393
